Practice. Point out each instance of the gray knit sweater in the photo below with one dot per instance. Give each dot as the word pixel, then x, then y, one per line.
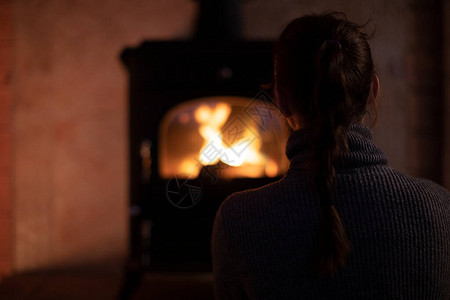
pixel 399 228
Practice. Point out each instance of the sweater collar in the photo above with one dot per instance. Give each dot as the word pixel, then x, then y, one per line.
pixel 362 151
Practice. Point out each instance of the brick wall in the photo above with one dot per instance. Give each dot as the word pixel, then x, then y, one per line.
pixel 5 138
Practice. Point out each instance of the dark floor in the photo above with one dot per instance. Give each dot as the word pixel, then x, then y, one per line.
pixel 68 285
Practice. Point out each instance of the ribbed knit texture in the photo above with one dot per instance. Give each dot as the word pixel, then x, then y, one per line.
pixel 399 228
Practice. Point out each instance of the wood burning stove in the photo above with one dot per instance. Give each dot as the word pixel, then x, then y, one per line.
pixel 184 96
pixel 164 75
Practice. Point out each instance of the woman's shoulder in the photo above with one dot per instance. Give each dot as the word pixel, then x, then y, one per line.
pixel 246 197
pixel 274 199
pixel 421 185
pixel 419 196
pixel 253 203
pixel 394 180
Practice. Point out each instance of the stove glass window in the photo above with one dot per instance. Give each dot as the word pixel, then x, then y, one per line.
pixel 230 137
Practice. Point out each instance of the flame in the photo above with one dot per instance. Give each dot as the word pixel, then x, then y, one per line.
pixel 244 151
pixel 236 146
pixel 211 122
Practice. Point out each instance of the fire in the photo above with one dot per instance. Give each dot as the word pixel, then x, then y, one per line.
pixel 228 137
pixel 241 150
pixel 211 122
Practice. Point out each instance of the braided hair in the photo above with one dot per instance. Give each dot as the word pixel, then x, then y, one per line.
pixel 324 72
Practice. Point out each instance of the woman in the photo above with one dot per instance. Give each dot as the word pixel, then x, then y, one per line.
pixel 341 224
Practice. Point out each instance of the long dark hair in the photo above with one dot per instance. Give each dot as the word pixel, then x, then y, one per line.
pixel 323 74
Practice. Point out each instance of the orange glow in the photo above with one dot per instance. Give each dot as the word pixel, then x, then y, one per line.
pixel 221 134
pixel 271 168
pixel 211 121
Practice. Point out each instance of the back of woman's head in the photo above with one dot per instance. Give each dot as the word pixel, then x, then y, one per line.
pixel 323 65
pixel 323 77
